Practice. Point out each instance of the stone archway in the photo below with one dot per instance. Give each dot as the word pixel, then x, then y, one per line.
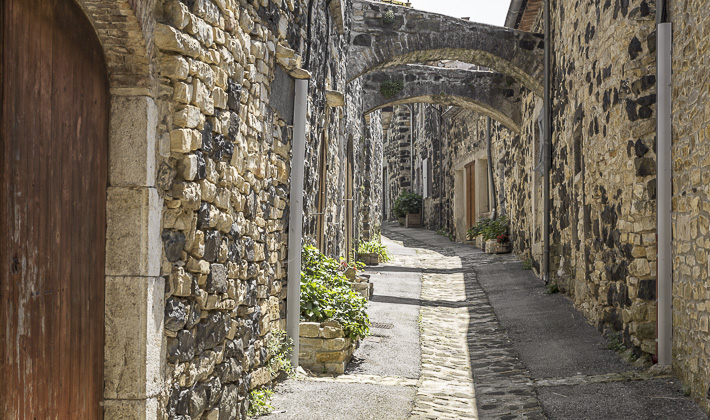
pixel 386 35
pixel 134 296
pixel 491 94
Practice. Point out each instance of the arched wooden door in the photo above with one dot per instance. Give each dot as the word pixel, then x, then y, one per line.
pixel 55 106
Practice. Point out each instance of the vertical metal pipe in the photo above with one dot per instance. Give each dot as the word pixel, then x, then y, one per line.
pixel 491 180
pixel 664 281
pixel 547 150
pixel 295 223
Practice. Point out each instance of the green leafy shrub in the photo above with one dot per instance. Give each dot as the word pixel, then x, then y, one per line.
pixel 407 202
pixel 260 402
pixel 489 228
pixel 388 17
pixel 375 247
pixel 279 347
pixel 390 88
pixel 326 295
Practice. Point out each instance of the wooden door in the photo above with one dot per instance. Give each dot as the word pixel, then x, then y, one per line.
pixel 471 194
pixel 55 106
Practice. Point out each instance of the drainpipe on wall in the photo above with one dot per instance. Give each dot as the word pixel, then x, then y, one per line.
pixel 547 151
pixel 295 221
pixel 664 153
pixel 491 181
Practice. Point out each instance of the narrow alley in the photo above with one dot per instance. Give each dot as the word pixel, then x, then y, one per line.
pixel 457 333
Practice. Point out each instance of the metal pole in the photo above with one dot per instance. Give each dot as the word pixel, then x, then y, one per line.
pixel 491 180
pixel 547 151
pixel 664 281
pixel 295 224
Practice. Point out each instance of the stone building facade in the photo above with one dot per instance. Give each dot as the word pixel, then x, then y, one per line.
pixel 603 176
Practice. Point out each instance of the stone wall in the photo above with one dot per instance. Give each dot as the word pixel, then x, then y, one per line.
pixel 691 198
pixel 397 149
pixel 227 72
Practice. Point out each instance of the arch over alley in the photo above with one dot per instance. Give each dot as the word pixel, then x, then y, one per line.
pixel 386 35
pixel 492 94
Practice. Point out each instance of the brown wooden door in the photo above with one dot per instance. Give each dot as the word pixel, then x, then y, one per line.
pixel 471 194
pixel 55 106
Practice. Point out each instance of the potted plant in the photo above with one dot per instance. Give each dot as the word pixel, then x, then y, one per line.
pixel 492 234
pixel 409 206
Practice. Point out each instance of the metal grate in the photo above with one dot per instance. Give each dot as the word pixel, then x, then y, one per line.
pixel 382 325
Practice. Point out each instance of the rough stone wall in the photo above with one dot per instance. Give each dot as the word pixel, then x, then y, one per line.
pixel 427 145
pixel 691 197
pixel 226 70
pixel 398 154
pixel 603 165
pixel 369 173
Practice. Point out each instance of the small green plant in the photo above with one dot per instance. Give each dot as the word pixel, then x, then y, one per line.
pixel 375 247
pixel 390 88
pixel 260 402
pixel 615 344
pixel 527 264
pixel 388 17
pixel 407 202
pixel 279 347
pixel 489 228
pixel 326 295
pixel 552 288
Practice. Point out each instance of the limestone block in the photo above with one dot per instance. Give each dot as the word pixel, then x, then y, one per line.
pixel 180 282
pixel 311 343
pixel 133 357
pixel 336 344
pixel 181 140
pixel 133 242
pixel 335 368
pixel 332 332
pixel 220 98
pixel 177 14
pixel 201 97
pixel 331 356
pixel 188 117
pixel 132 141
pixel 168 38
pixel 174 67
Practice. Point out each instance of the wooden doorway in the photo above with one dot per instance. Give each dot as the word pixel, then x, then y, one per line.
pixel 54 143
pixel 470 183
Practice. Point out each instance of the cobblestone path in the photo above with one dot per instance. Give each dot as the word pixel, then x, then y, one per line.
pixel 461 339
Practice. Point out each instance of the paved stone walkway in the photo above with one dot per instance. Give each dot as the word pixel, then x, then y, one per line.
pixel 483 352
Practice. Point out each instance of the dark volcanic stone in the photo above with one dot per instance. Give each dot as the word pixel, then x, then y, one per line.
pixel 234 95
pixel 197 403
pixel 173 242
pixel 212 331
pixel 194 316
pixel 213 240
pixel 175 314
pixel 182 347
pixel 647 289
pixel 229 404
pixel 203 216
pixel 645 166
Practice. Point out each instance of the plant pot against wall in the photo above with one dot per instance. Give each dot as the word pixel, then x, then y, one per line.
pixel 413 220
pixel 369 258
pixel 402 221
pixel 494 247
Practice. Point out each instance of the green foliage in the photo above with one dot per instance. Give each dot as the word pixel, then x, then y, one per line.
pixel 279 347
pixel 326 295
pixel 407 202
pixel 489 228
pixel 388 17
pixel 390 88
pixel 615 344
pixel 527 264
pixel 374 246
pixel 552 288
pixel 260 402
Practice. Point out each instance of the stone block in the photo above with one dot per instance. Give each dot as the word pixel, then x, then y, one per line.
pixel 336 344
pixel 168 38
pixel 331 332
pixel 309 329
pixel 140 409
pixel 133 356
pixel 332 356
pixel 132 136
pixel 335 368
pixel 133 236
